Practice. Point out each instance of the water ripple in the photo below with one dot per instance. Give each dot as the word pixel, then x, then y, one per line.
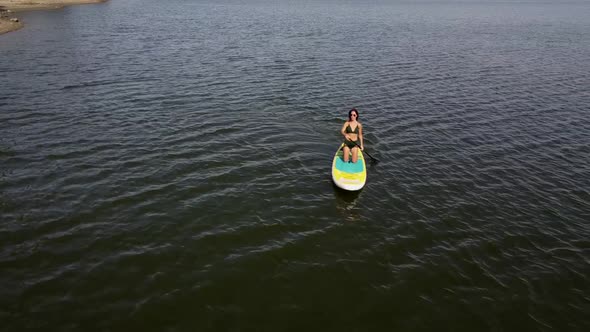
pixel 185 171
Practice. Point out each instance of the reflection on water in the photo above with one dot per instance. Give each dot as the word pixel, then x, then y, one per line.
pixel 346 203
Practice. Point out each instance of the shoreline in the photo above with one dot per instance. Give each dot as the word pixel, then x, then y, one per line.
pixel 8 22
pixel 7 25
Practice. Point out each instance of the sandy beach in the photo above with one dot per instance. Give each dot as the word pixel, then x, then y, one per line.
pixel 8 7
pixel 6 25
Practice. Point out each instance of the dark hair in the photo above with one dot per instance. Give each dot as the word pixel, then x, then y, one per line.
pixel 350 114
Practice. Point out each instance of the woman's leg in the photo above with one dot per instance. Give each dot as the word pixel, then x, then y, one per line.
pixel 355 154
pixel 346 150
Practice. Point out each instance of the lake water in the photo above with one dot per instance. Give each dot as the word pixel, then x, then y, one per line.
pixel 165 165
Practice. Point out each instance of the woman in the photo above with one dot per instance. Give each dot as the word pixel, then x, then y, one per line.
pixel 353 134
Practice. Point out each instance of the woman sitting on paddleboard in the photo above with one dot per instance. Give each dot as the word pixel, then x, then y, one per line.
pixel 353 135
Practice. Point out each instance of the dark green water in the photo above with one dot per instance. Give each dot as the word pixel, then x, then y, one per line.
pixel 165 166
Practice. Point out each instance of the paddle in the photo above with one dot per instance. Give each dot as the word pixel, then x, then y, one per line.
pixel 375 160
pixel 372 158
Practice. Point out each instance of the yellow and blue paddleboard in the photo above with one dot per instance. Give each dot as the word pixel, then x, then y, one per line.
pixel 349 176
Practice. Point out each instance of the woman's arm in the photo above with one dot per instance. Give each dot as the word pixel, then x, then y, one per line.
pixel 361 136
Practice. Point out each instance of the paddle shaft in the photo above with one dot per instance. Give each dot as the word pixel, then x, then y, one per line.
pixel 374 159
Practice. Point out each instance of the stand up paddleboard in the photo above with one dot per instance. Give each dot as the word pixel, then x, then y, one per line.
pixel 349 176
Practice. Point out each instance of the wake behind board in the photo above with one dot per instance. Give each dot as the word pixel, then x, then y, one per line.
pixel 349 176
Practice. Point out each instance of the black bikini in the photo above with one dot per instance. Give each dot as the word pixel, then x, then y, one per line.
pixel 348 130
